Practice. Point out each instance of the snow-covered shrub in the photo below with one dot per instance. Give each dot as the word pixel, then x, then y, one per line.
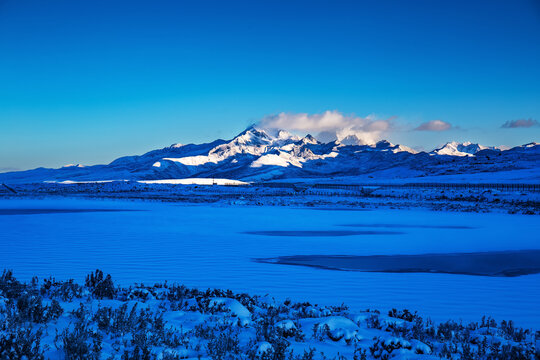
pixel 511 333
pixel 306 310
pixel 340 309
pixel 359 353
pixel 65 290
pixel 20 342
pixel 268 351
pixel 9 286
pixel 178 293
pixel 30 308
pixel 80 343
pixel 223 344
pixel 265 350
pixel 403 314
pixel 383 348
pixel 141 348
pixel 100 286
pixel 412 326
pixel 122 320
pixel 140 294
pixel 336 328
pixel 289 329
pixel 223 325
pixel 373 322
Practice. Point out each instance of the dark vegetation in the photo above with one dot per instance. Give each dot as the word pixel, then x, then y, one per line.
pixel 111 322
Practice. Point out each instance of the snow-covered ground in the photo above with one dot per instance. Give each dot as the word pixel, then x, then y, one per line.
pixel 61 320
pixel 195 181
pixel 213 246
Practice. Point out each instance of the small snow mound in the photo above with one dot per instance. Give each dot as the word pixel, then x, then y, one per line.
pixel 338 328
pixel 286 325
pixel 420 347
pixel 264 348
pixel 287 328
pixel 233 306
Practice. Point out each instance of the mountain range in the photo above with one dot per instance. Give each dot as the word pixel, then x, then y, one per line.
pixel 259 155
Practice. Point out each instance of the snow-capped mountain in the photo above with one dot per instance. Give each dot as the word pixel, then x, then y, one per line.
pixel 256 155
pixel 461 149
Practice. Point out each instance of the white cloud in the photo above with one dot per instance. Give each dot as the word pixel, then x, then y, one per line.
pixel 331 125
pixel 434 125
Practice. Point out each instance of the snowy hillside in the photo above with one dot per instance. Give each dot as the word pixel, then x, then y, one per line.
pixel 258 155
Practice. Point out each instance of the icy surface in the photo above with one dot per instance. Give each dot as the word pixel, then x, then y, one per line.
pixel 209 246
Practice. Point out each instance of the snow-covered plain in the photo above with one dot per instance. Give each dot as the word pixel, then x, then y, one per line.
pixel 195 181
pixel 211 246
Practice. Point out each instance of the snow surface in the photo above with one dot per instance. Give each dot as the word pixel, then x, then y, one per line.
pixel 195 181
pixel 207 246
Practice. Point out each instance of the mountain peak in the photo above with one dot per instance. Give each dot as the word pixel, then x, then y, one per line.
pixel 455 148
pixel 309 139
pixel 251 135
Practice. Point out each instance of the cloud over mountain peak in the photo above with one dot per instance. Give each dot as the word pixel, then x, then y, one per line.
pixel 331 125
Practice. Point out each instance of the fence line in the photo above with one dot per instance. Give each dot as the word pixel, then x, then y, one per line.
pixel 360 187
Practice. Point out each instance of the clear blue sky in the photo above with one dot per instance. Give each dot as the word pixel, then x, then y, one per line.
pixel 88 81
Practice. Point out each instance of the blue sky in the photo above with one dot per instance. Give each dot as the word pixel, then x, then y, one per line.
pixel 86 82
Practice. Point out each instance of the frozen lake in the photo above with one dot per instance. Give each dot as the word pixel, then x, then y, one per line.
pixel 213 246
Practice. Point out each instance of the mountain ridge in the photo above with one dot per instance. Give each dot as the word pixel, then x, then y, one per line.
pixel 258 155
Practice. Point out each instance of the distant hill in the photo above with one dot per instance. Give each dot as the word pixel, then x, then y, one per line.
pixel 256 155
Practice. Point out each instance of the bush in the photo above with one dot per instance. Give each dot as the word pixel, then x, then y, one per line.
pixel 9 286
pixel 66 290
pixel 100 286
pixel 404 315
pixel 81 343
pixel 31 308
pixel 21 343
pixel 225 343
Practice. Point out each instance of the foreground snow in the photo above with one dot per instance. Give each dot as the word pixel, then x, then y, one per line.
pixel 63 320
pixel 195 181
